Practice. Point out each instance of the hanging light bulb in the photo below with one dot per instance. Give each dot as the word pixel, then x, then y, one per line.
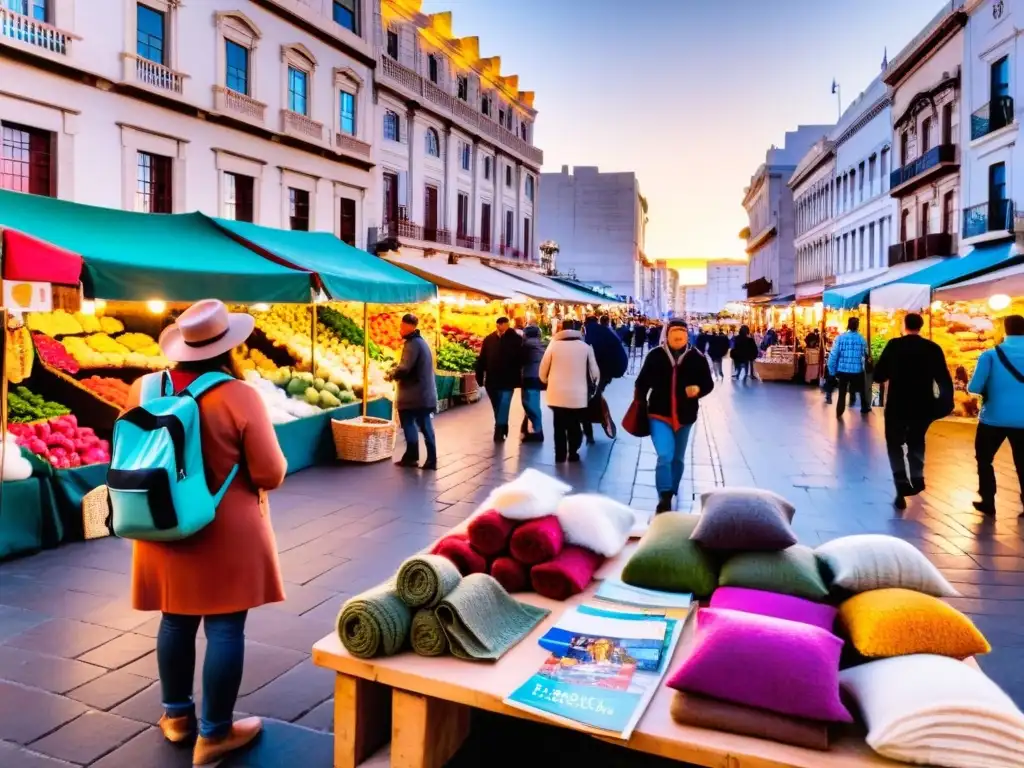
pixel 260 307
pixel 156 306
pixel 999 302
pixel 88 307
pixel 936 306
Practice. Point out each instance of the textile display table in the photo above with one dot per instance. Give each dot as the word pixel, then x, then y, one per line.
pixel 422 705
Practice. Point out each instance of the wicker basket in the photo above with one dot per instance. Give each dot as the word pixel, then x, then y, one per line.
pixel 95 512
pixel 774 371
pixel 365 439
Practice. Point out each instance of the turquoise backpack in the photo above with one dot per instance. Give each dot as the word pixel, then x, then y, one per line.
pixel 156 484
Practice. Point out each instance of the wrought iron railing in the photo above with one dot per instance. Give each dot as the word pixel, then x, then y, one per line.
pixel 997 114
pixel 993 216
pixel 943 153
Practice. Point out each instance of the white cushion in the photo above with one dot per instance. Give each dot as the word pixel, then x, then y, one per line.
pixel 935 710
pixel 595 522
pixel 531 495
pixel 875 561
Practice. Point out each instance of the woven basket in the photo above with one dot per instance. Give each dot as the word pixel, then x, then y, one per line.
pixel 95 511
pixel 774 371
pixel 365 439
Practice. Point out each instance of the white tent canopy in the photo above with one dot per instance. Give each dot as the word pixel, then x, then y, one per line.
pixel 1009 281
pixel 472 276
pixel 566 293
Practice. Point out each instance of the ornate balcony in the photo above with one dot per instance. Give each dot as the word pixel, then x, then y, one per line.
pixel 152 75
pixel 993 216
pixel 938 244
pixel 24 31
pixel 238 105
pixel 509 252
pixel 997 114
pixel 350 145
pixel 301 127
pixel 932 163
pixel 467 241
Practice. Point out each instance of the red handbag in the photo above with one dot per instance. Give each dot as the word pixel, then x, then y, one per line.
pixel 636 421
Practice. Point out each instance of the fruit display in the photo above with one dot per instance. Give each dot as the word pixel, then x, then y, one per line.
pixel 113 391
pixel 55 354
pixel 128 350
pixel 455 358
pixel 347 329
pixel 475 319
pixel 24 406
pixel 470 341
pixel 19 354
pixel 62 442
pixel 58 323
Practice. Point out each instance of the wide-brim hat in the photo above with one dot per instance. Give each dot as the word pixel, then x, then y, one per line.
pixel 204 331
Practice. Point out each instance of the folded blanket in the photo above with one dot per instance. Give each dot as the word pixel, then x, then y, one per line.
pixel 537 541
pixel 375 623
pixel 533 494
pixel 423 580
pixel 567 575
pixel 511 574
pixel 426 636
pixel 482 622
pixel 595 522
pixel 489 532
pixel 458 549
pixel 716 715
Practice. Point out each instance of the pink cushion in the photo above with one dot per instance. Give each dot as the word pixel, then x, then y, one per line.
pixel 775 605
pixel 779 665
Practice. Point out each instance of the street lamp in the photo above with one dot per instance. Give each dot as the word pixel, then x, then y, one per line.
pixel 548 249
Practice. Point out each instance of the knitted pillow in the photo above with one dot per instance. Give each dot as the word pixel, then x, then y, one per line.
pixel 778 665
pixel 939 712
pixel 715 715
pixel 745 519
pixel 668 559
pixel 533 494
pixel 899 622
pixel 875 561
pixel 792 571
pixel 595 522
pixel 778 606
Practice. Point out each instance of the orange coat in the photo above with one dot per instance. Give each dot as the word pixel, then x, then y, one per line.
pixel 231 565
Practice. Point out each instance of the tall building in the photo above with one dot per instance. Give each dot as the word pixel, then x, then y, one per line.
pixel 599 220
pixel 812 185
pixel 725 285
pixel 453 144
pixel 259 111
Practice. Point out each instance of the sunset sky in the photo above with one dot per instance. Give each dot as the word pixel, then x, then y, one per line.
pixel 688 94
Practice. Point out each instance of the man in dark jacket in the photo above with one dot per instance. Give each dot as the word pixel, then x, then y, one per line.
pixel 417 395
pixel 744 353
pixel 913 366
pixel 499 370
pixel 654 335
pixel 718 348
pixel 611 359
pixel 533 353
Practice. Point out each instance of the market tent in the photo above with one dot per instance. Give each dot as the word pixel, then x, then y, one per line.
pixel 137 256
pixel 596 297
pixel 468 275
pixel 347 273
pixel 1008 281
pixel 914 291
pixel 852 295
pixel 554 290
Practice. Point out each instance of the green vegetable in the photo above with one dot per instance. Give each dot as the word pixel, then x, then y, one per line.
pixel 346 397
pixel 24 406
pixel 297 386
pixel 312 396
pixel 347 329
pixel 319 383
pixel 333 388
pixel 455 358
pixel 328 400
pixel 877 345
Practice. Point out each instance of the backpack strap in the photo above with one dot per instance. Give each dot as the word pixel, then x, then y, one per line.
pixel 155 385
pixel 197 389
pixel 1008 365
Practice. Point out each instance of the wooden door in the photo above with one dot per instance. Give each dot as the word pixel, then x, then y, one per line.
pixel 430 214
pixel 485 227
pixel 390 199
pixel 347 223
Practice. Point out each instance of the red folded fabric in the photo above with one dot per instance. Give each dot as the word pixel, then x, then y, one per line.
pixel 537 541
pixel 511 574
pixel 458 549
pixel 489 533
pixel 567 575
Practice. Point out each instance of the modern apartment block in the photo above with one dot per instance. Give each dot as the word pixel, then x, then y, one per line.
pixel 724 286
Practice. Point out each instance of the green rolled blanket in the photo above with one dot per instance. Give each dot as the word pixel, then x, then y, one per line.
pixel 423 581
pixel 426 636
pixel 375 623
pixel 482 622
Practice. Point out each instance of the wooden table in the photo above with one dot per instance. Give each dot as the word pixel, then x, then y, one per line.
pixel 422 705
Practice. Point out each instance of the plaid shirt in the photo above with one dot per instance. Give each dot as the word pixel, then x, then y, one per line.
pixel 848 354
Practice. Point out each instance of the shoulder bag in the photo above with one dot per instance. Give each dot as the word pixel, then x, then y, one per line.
pixel 636 421
pixel 1008 365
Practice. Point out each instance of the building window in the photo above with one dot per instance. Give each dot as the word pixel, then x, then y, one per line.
pixel 925 223
pixel 999 83
pixel 432 68
pixel 393 44
pixel 926 135
pixel 508 175
pixel 462 221
pixel 884 175
pixel 151 33
pixel 508 120
pixel 298 209
pixel 485 226
pixel 526 238
pixel 433 143
pixel 347 221
pixel 37 9
pixel 298 90
pixel 463 88
pixel 529 188
pixel 904 148
pixel 510 228
pixel 872 162
pixel 487 168
pixel 345 14
pixel 390 198
pixel 501 117
pixel 524 131
pixel 392 126
pixel 947 213
pixel 153 184
pixel 996 183
pixel 904 223
pixel 947 123
pixel 348 113
pixel 237 76
pixel 485 105
pixel 239 197
pixel 465 156
pixel 26 160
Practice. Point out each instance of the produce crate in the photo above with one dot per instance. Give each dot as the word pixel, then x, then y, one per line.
pixel 447 383
pixel 774 371
pixel 469 390
pixel 364 439
pixel 58 386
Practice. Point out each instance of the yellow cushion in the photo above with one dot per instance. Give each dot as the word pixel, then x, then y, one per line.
pixel 899 622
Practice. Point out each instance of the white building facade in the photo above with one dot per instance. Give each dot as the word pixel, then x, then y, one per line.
pixel 813 188
pixel 453 142
pixel 724 286
pixel 258 111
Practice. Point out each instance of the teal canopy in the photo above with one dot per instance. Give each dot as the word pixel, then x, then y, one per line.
pixel 137 256
pixel 347 273
pixel 852 295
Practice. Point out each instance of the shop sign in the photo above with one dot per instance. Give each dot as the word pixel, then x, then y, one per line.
pixel 23 296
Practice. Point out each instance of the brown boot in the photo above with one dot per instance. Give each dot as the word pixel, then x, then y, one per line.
pixel 210 751
pixel 177 729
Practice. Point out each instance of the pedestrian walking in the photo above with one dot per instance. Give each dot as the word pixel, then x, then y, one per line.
pixel 653 335
pixel 718 348
pixel 499 370
pixel 612 361
pixel 673 379
pixel 417 395
pixel 847 363
pixel 569 369
pixel 744 353
pixel 914 368
pixel 703 341
pixel 533 353
pixel 230 566
pixel 999 380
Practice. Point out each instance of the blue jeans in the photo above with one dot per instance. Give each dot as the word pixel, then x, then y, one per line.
pixel 501 402
pixel 671 448
pixel 414 421
pixel 531 406
pixel 222 668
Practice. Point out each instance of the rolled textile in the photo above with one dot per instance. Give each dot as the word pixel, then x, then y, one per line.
pixel 426 636
pixel 511 574
pixel 537 541
pixel 461 552
pixel 374 623
pixel 422 581
pixel 482 622
pixel 489 532
pixel 716 715
pixel 567 575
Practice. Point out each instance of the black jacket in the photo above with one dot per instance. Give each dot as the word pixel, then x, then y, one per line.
pixel 718 346
pixel 500 364
pixel 417 387
pixel 660 370
pixel 744 350
pixel 533 353
pixel 912 365
pixel 608 350
pixel 654 336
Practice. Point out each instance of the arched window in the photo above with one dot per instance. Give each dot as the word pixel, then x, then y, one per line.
pixel 529 188
pixel 392 126
pixel 432 67
pixel 433 143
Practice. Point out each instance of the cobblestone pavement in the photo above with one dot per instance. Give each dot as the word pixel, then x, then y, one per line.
pixel 77 664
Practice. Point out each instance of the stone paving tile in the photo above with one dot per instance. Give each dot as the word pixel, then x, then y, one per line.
pixel 88 737
pixel 28 713
pixel 14 621
pixel 14 756
pixel 62 637
pixel 122 650
pixel 49 673
pixel 111 689
pixel 291 695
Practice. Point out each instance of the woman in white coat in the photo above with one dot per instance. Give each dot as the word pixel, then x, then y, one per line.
pixel 569 369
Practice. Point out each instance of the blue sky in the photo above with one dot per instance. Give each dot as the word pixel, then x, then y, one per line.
pixel 688 94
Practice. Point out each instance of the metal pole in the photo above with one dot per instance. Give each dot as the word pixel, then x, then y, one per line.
pixel 312 332
pixel 366 356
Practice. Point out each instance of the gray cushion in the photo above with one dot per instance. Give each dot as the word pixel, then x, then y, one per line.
pixel 875 561
pixel 745 520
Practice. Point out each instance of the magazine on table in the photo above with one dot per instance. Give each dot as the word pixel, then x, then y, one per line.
pixel 615 590
pixel 592 681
